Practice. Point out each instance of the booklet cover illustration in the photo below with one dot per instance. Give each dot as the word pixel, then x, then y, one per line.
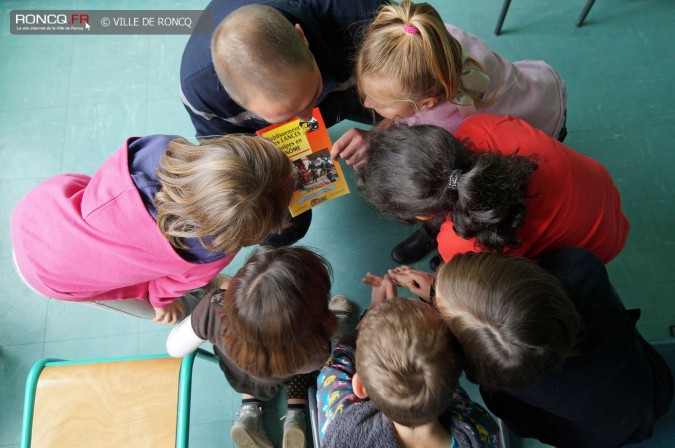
pixel 308 144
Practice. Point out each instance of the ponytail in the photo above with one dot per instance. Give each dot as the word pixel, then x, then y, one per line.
pixel 408 173
pixel 490 200
pixel 409 43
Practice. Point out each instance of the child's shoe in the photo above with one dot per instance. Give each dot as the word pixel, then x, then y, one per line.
pixel 248 431
pixel 340 306
pixel 294 429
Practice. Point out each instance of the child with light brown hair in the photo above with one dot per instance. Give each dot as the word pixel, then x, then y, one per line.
pixel 270 326
pixel 162 216
pixel 397 384
pixel 554 351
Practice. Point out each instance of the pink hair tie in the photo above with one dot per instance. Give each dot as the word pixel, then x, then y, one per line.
pixel 410 29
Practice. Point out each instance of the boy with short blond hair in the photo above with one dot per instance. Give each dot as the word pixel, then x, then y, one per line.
pixel 407 364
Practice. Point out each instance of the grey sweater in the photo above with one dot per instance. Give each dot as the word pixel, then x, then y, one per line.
pixel 363 425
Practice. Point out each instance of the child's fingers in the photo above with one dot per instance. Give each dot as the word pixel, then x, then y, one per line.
pixel 169 314
pixel 159 315
pixel 369 282
pixel 400 277
pixel 389 287
pixel 394 278
pixel 372 280
pixel 421 277
pixel 415 276
pixel 399 273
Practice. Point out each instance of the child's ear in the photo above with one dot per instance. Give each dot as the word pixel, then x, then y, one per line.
pixel 301 33
pixel 359 389
pixel 427 103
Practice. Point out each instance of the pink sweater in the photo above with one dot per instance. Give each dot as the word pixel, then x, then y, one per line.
pixel 530 90
pixel 81 238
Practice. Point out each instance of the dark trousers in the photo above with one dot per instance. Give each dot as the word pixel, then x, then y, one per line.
pixel 346 105
pixel 296 229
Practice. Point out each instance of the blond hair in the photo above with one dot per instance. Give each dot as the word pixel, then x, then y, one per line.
pixel 426 64
pixel 255 47
pixel 229 192
pixel 407 360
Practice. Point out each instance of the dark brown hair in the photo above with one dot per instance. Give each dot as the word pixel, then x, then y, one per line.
pixel 408 361
pixel 513 319
pixel 407 176
pixel 275 314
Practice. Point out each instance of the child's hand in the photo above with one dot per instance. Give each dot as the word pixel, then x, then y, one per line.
pixel 352 147
pixel 418 282
pixel 170 314
pixel 382 289
pixel 372 280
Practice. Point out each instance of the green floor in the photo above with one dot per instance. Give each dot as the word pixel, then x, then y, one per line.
pixel 66 103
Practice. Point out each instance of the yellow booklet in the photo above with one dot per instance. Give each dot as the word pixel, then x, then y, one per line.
pixel 308 144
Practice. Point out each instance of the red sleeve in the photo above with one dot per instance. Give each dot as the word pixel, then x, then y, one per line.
pixel 450 244
pixel 506 135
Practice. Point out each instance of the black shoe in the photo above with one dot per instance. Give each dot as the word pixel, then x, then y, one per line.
pixel 414 248
pixel 634 314
pixel 435 262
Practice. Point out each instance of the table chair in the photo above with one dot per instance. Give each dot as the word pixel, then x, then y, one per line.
pixel 507 3
pixel 313 415
pixel 115 402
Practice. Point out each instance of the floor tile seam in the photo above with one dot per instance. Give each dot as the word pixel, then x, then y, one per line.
pixel 38 178
pixel 28 109
pixel 642 201
pixel 653 214
pixel 132 333
pixel 7 45
pixel 65 138
pixel 656 122
pixel 138 341
pixel 44 330
pixel 667 197
pixel 148 331
pixel 642 284
pixel 168 97
pixel 44 327
pixel 147 82
pixel 21 345
pixel 115 101
pixel 210 422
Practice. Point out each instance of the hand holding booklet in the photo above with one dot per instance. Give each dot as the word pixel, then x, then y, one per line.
pixel 308 144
